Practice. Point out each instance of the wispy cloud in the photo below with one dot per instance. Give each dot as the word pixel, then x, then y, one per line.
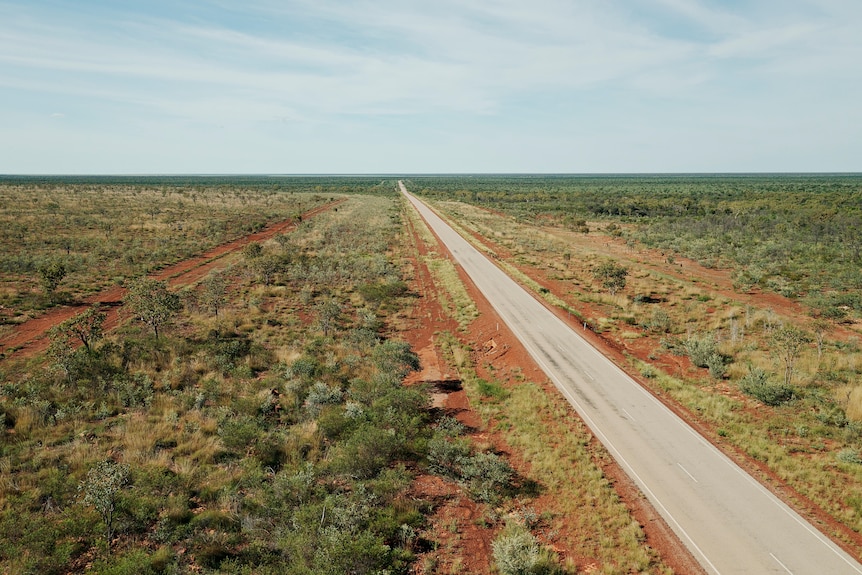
pixel 443 58
pixel 322 62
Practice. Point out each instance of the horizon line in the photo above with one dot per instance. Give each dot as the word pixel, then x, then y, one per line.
pixel 409 174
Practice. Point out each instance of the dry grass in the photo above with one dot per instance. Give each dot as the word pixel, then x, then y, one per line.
pixel 454 298
pixel 850 398
pixel 456 301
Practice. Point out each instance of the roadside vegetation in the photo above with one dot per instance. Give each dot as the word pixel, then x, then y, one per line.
pixel 741 299
pixel 255 422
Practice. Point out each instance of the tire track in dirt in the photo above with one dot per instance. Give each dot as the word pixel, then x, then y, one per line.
pixel 30 337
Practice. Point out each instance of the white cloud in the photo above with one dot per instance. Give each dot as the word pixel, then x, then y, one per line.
pixel 320 63
pixel 765 43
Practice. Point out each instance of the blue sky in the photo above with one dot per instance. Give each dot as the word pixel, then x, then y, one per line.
pixel 404 86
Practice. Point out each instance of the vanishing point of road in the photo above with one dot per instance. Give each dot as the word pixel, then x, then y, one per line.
pixel 729 521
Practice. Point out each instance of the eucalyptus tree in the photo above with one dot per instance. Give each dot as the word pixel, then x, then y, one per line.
pixel 152 303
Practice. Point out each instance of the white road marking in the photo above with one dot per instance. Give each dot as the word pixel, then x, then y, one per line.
pixel 777 560
pixel 629 415
pixel 687 473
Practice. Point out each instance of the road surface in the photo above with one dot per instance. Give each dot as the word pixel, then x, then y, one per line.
pixel 729 521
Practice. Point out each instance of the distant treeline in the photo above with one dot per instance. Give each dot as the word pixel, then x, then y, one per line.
pixel 294 183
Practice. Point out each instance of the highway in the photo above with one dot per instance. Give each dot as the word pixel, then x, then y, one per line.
pixel 727 519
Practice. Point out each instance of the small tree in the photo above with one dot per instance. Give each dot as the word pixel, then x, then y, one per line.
pixel 612 275
pixel 789 341
pixel 152 303
pixel 85 327
pixel 64 355
pixel 265 268
pixel 213 295
pixel 101 489
pixel 820 327
pixel 50 275
pixel 328 314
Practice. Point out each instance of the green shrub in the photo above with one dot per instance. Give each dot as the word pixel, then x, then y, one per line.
pixel 383 291
pixel 238 432
pixel 518 552
pixel 716 364
pixel 367 391
pixel 487 475
pixel 450 427
pixel 445 455
pixel 660 321
pixel 850 455
pixel 395 357
pixel 757 384
pixel 305 367
pixel 320 395
pixel 402 409
pixel 700 350
pixel 491 389
pixel 341 552
pixel 366 452
pixel 134 391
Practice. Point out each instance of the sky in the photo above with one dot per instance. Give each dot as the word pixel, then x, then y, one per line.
pixel 430 86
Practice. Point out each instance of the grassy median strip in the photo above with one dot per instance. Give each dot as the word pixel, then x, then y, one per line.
pixel 454 298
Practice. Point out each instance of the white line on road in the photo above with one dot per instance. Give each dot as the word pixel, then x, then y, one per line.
pixel 629 415
pixel 687 473
pixel 777 560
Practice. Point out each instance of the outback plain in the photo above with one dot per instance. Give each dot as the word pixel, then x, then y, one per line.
pixel 289 375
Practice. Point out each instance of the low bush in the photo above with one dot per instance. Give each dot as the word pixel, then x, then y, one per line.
pixel 700 350
pixel 757 384
pixel 518 552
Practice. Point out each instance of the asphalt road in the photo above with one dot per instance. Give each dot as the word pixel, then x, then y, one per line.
pixel 729 521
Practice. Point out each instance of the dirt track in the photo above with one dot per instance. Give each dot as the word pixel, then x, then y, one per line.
pixel 30 337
